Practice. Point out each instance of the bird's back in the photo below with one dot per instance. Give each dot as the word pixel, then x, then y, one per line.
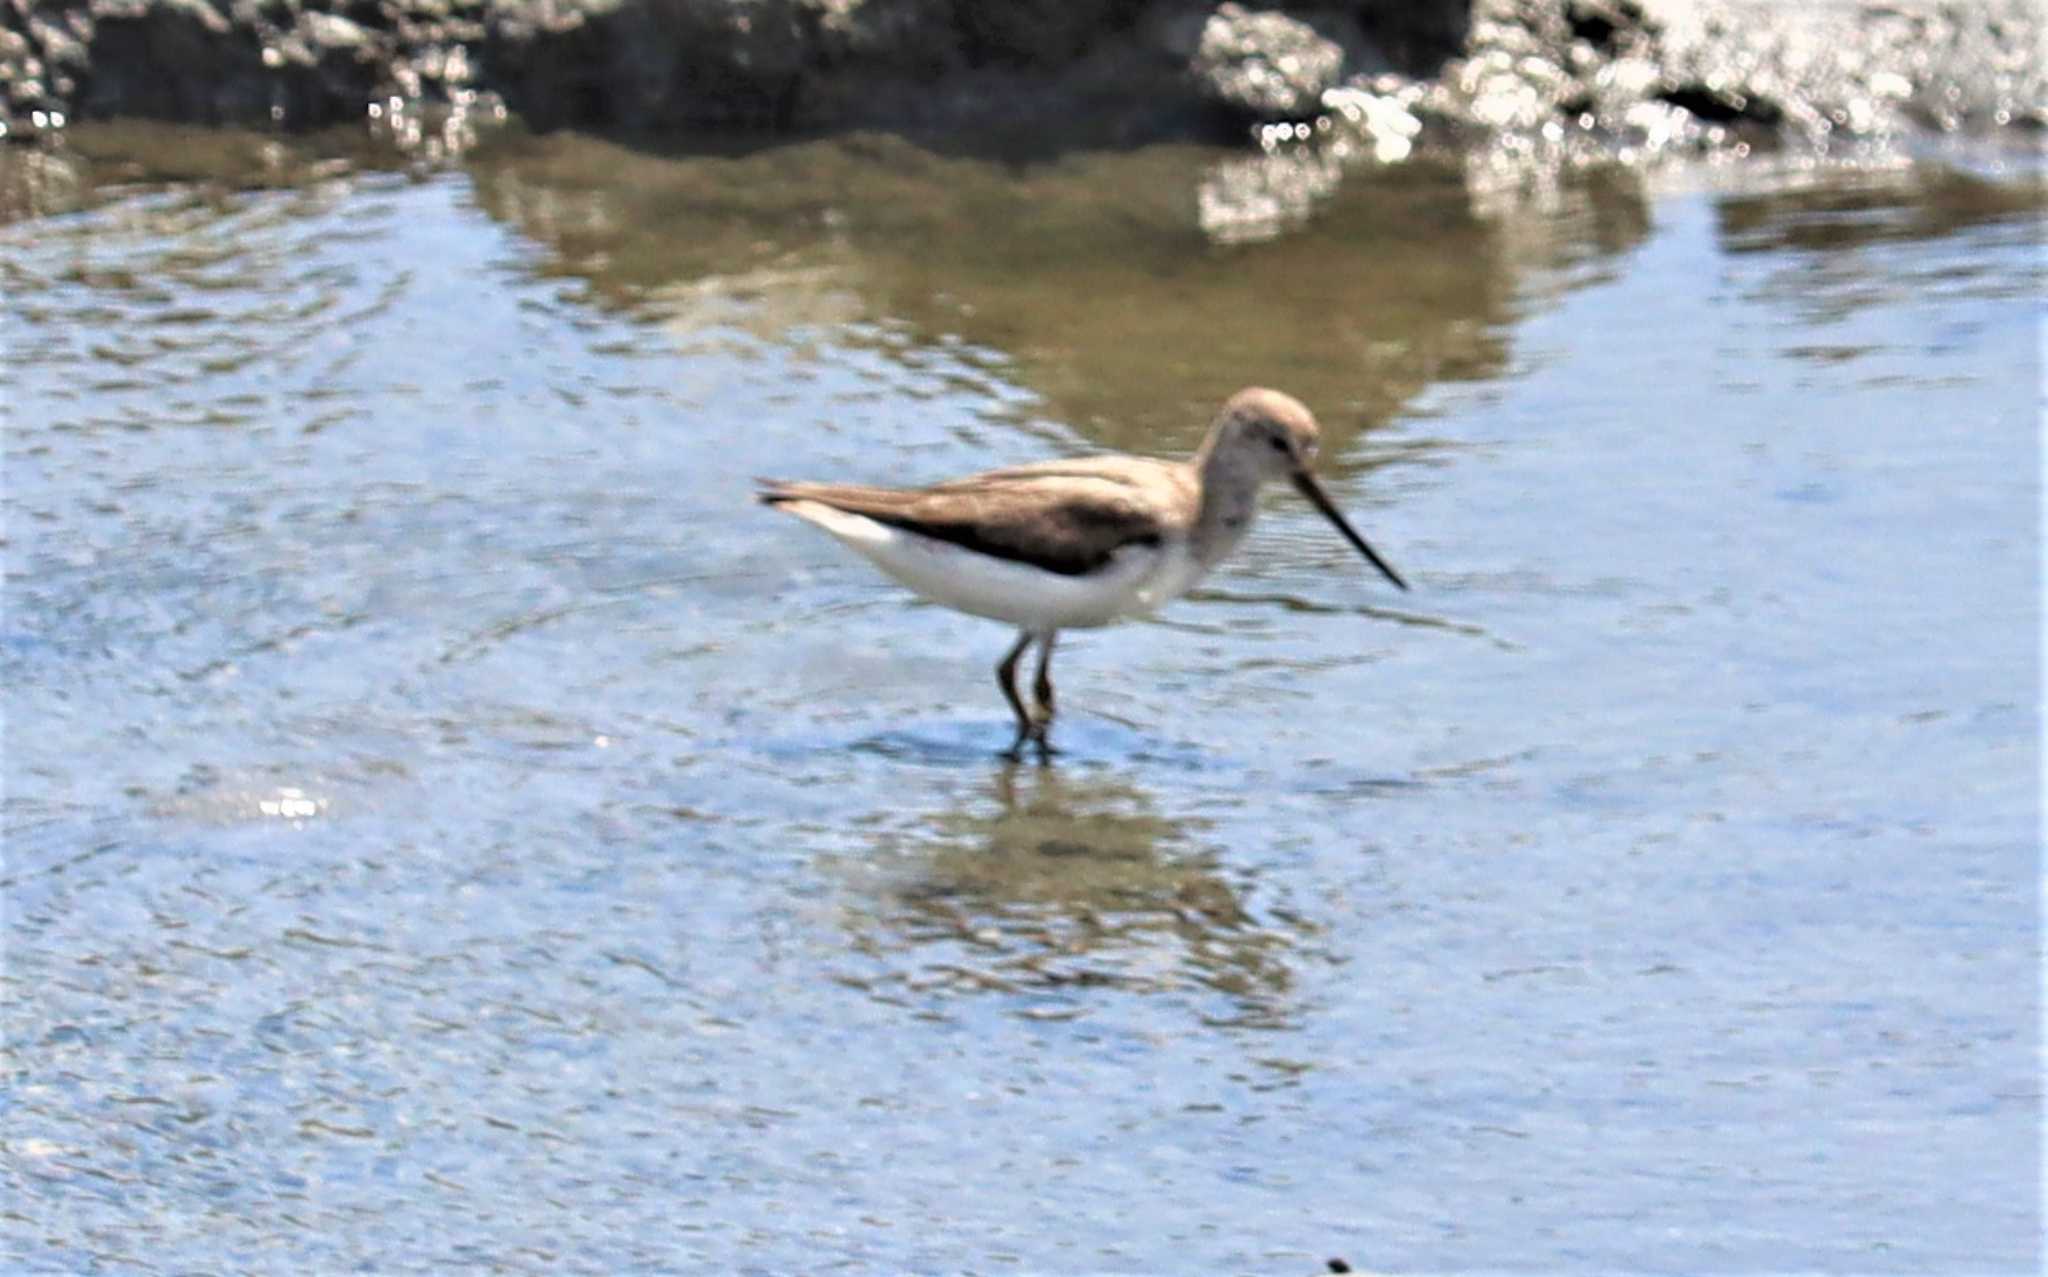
pixel 1067 516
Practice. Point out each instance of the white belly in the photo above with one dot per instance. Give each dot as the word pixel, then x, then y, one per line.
pixel 1136 580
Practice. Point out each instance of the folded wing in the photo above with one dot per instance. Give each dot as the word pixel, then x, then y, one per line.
pixel 1066 518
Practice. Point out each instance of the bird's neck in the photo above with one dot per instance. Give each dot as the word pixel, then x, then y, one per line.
pixel 1230 501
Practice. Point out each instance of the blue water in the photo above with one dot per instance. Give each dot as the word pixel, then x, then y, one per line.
pixel 448 826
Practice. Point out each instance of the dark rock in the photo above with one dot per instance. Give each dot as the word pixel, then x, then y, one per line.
pixel 291 62
pixel 1597 22
pixel 270 62
pixel 913 38
pixel 1419 37
pixel 639 64
pixel 1721 104
pixel 1529 77
pixel 783 64
pixel 176 60
pixel 1039 33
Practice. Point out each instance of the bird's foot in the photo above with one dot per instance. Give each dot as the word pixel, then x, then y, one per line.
pixel 1025 736
pixel 1033 736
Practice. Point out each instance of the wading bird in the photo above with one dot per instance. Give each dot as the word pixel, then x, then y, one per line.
pixel 1059 545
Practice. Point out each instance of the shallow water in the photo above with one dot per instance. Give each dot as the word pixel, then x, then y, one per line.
pixel 448 825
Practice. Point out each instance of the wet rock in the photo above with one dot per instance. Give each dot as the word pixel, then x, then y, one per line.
pixel 1265 66
pixel 782 64
pixel 913 36
pixel 1532 77
pixel 1828 76
pixel 1381 126
pixel 332 33
pixel 1040 33
pixel 294 62
pixel 641 65
pixel 1566 79
pixel 177 60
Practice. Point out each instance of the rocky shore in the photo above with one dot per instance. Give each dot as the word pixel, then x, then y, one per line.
pixel 1524 75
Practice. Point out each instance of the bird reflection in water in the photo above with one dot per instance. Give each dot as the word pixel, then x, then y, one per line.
pixel 1050 882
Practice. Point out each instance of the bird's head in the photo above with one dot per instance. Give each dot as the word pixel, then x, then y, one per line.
pixel 1273 435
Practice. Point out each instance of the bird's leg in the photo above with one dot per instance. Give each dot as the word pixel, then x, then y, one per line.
pixel 1041 688
pixel 1006 678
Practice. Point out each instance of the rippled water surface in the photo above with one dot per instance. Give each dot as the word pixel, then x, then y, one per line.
pixel 448 826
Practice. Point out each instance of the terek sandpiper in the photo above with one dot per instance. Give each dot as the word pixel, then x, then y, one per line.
pixel 1071 544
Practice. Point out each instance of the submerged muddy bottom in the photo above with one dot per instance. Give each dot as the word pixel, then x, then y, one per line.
pixel 447 825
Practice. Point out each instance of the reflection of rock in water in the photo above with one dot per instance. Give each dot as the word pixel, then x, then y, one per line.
pixel 1117 301
pixel 1816 211
pixel 1245 200
pixel 1812 234
pixel 1049 883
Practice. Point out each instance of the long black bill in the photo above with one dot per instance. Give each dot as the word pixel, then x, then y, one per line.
pixel 1306 484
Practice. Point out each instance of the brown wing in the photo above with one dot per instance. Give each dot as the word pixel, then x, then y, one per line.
pixel 1067 518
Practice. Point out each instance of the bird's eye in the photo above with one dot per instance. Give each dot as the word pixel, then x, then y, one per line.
pixel 1279 443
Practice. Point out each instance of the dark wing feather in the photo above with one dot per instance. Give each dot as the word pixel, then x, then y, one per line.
pixel 1069 521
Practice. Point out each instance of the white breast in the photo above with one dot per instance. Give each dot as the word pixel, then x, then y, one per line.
pixel 1174 572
